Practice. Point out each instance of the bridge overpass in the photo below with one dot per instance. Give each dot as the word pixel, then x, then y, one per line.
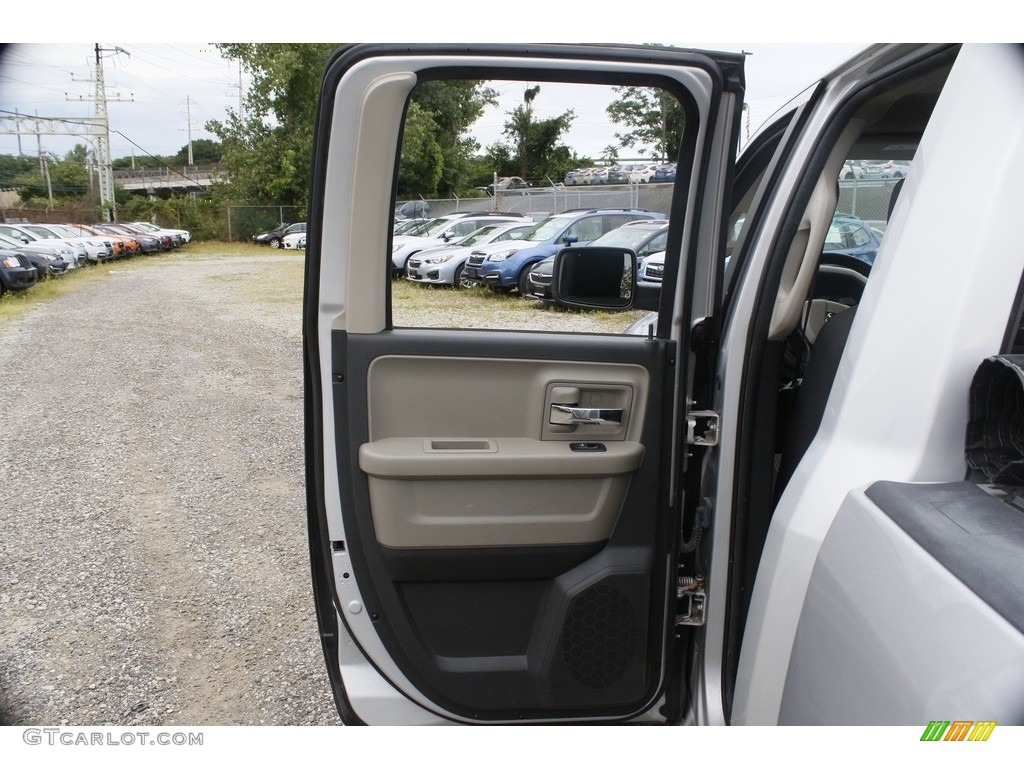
pixel 160 181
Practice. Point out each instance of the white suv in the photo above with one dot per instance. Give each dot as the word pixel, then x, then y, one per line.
pixel 443 230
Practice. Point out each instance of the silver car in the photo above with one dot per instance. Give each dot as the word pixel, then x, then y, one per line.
pixel 444 264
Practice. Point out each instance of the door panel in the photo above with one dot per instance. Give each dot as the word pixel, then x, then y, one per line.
pixel 493 552
pixel 473 552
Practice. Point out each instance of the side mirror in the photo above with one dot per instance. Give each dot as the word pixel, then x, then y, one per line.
pixel 595 278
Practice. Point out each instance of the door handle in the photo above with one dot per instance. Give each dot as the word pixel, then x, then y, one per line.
pixel 573 415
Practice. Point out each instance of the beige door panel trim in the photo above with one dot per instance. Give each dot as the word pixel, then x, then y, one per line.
pixel 510 492
pixel 501 458
pixel 452 397
pixel 496 513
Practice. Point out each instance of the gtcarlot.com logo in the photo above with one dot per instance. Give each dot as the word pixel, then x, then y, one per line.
pixel 83 738
pixel 958 730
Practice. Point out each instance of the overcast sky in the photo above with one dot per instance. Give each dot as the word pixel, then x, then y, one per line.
pixel 167 81
pixel 154 89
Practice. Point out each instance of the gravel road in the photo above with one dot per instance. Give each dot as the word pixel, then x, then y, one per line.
pixel 153 556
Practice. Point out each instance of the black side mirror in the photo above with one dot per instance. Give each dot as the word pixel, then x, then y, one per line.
pixel 595 278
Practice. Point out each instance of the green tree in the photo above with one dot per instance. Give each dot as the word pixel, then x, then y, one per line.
pixel 267 151
pixel 422 158
pixel 454 105
pixel 65 178
pixel 653 120
pixel 204 152
pixel 520 125
pixel 13 166
pixel 535 143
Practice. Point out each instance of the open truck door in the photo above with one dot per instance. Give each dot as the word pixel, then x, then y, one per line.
pixel 510 553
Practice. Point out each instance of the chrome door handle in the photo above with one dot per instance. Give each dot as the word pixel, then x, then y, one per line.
pixel 572 415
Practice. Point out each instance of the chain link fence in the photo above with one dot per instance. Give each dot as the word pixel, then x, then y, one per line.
pixel 538 202
pixel 867 199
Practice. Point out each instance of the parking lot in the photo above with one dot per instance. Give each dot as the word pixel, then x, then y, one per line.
pixel 154 536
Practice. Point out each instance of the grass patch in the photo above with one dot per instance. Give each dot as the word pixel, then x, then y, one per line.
pixel 16 304
pixel 279 283
pixel 208 251
pixel 434 306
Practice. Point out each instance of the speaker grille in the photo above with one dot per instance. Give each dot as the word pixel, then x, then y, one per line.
pixel 600 637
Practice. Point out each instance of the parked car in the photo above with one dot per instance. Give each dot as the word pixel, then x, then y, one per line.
pixel 143 241
pixel 503 268
pixel 119 244
pixel 180 236
pixel 444 265
pixel 274 237
pixel 98 247
pixel 16 270
pixel 652 270
pixel 895 169
pixel 72 251
pixel 131 243
pixel 507 184
pixel 51 256
pixel 862 169
pixel 294 241
pixel 443 230
pixel 642 173
pixel 642 237
pixel 413 209
pixel 408 226
pixel 851 170
pixel 572 178
pixel 786 505
pixel 664 173
pixel 47 258
pixel 85 249
pixel 617 174
pixel 850 236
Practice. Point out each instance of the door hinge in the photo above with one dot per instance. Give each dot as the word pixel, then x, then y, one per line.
pixel 702 428
pixel 692 598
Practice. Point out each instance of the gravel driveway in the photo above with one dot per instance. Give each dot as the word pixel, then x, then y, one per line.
pixel 153 556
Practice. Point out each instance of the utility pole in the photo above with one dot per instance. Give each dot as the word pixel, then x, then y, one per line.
pixel 241 113
pixel 188 113
pixel 103 160
pixel 16 116
pixel 106 172
pixel 39 146
pixel 49 186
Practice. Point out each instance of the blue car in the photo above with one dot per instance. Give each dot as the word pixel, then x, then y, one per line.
pixel 851 236
pixel 504 266
pixel 665 173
